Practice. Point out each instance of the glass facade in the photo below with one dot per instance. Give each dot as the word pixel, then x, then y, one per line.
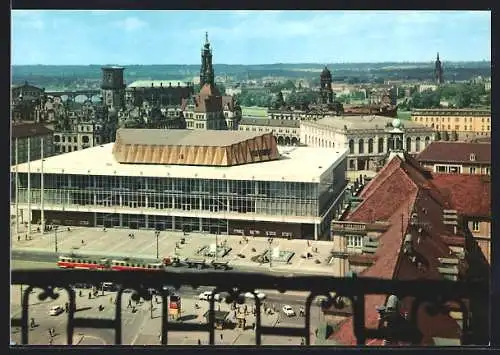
pixel 185 194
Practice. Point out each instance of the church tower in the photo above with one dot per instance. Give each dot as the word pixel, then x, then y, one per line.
pixel 325 91
pixel 207 70
pixel 438 71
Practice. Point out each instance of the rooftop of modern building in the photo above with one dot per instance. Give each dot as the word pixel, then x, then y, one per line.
pixel 183 137
pixel 363 122
pixel 29 129
pixel 260 121
pixel 456 152
pixel 451 111
pixel 157 83
pixel 99 160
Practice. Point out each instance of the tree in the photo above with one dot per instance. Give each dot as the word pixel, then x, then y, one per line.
pixel 289 85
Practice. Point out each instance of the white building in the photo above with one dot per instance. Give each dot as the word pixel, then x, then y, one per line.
pixel 367 138
pixel 294 192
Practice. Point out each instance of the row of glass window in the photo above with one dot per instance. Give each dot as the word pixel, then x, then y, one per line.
pixel 173 185
pixel 361 144
pixel 290 207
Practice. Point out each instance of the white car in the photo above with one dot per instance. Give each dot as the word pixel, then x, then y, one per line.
pixel 205 296
pixel 56 310
pixel 288 310
pixel 260 295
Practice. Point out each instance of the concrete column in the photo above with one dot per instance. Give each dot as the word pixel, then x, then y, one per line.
pixel 173 222
pixel 146 198
pixel 29 189
pixel 315 231
pixel 42 213
pixel 200 221
pixel 121 219
pixel 146 221
pixel 120 184
pixel 17 187
pixel 95 194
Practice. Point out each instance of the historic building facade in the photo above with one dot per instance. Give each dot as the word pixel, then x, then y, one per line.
pixel 210 109
pixel 26 142
pixel 457 158
pixel 286 132
pixel 455 124
pixel 367 138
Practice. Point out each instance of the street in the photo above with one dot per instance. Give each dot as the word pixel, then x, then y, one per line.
pixel 139 329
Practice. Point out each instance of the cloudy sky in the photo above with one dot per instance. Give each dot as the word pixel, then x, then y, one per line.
pixel 248 37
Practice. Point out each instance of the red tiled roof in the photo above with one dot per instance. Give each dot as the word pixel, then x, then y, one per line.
pixel 401 189
pixel 209 90
pixel 470 195
pixel 456 152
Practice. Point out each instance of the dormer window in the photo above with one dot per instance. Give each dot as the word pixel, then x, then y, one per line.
pixel 472 157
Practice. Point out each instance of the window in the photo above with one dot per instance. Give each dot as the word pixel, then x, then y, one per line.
pixel 417 144
pixel 354 241
pixel 472 170
pixel 351 146
pixel 351 164
pixel 475 226
pixel 361 146
pixel 381 145
pixel 440 168
pixel 370 145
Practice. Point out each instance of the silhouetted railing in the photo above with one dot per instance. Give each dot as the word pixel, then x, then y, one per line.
pixel 432 295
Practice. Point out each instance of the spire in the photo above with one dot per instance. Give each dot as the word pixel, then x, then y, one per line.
pixel 206 39
pixel 437 56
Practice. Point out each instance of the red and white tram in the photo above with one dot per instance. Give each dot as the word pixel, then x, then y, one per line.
pixel 126 264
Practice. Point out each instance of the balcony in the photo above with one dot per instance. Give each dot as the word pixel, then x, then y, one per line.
pixel 431 295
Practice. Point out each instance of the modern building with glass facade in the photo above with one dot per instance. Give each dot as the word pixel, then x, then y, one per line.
pixel 295 194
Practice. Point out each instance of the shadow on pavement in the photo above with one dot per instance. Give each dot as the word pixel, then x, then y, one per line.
pixel 82 309
pixel 187 318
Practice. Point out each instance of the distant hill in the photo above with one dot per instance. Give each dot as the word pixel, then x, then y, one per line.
pixel 40 74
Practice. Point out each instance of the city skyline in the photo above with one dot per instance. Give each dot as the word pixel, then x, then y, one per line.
pixel 248 37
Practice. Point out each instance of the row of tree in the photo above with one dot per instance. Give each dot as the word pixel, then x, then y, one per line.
pixel 458 96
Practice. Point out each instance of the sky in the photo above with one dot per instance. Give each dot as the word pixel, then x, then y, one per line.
pixel 53 37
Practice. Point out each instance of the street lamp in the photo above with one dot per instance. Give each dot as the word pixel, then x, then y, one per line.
pixel 55 236
pixel 157 234
pixel 270 241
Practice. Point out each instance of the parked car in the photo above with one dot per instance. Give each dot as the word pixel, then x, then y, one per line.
pixel 109 286
pixel 56 310
pixel 205 296
pixel 288 310
pixel 260 295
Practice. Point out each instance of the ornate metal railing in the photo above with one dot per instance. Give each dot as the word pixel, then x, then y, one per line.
pixel 432 295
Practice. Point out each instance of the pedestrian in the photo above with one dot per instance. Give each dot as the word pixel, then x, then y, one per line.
pixel 80 293
pixel 26 237
pixel 111 300
pixel 90 295
pixel 129 303
pixel 199 342
pixel 18 238
pixel 32 325
pixel 83 242
pixel 221 337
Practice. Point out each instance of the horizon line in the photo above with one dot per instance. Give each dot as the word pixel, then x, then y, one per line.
pixel 277 63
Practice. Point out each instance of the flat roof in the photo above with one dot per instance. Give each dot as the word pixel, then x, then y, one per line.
pixel 183 137
pixel 260 121
pixel 298 164
pixel 156 83
pixel 363 122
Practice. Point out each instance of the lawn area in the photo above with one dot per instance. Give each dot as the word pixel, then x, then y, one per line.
pixel 404 115
pixel 254 111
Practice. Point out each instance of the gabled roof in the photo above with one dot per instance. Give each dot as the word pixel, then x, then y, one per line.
pixel 470 195
pixel 456 152
pixel 403 190
pixel 209 90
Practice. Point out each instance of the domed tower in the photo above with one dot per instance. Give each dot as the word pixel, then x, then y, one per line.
pixel 325 91
pixel 438 71
pixel 207 71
